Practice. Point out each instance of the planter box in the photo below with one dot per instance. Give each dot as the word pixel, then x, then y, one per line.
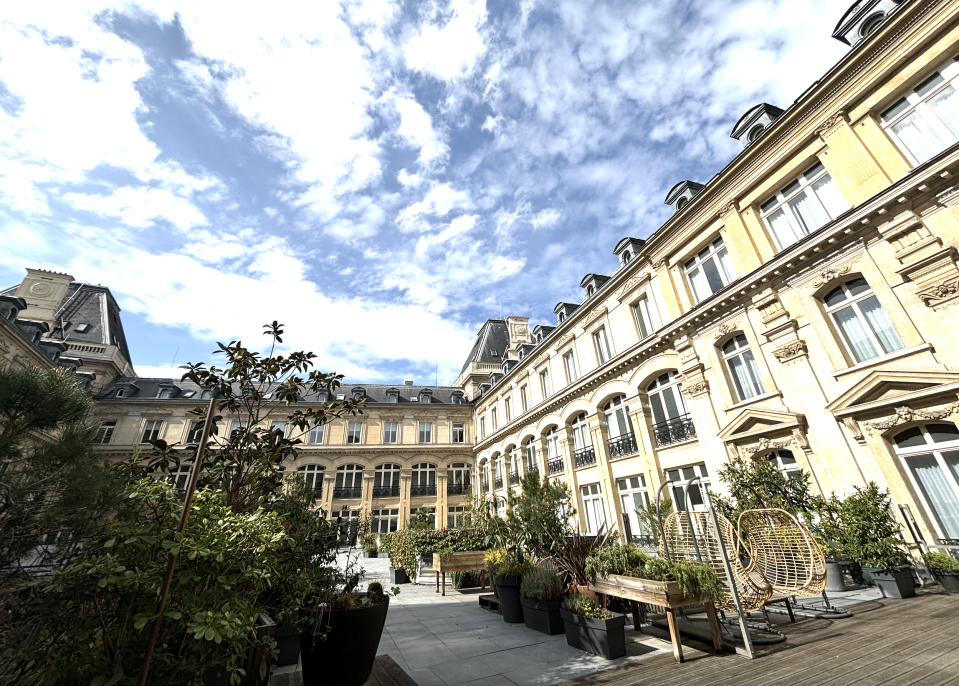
pixel 398 576
pixel 835 579
pixel 948 580
pixel 509 603
pixel 345 657
pixel 602 637
pixel 288 644
pixel 543 616
pixel 896 585
pixel 468 561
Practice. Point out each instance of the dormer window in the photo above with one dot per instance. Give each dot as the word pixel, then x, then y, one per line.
pixel 323 396
pixel 562 316
pixel 392 396
pixel 81 328
pixel 165 393
pixel 627 256
pixel 457 397
pixel 863 19
pixel 871 24
pixel 589 291
pixel 120 393
pixel 358 393
pixel 426 395
pixel 189 394
pixel 627 249
pixel 591 283
pixel 494 353
pixel 752 125
pixel 756 132
pixel 680 194
pixel 206 395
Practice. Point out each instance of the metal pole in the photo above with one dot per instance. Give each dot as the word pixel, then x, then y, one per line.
pixel 181 527
pixel 689 517
pixel 659 519
pixel 733 591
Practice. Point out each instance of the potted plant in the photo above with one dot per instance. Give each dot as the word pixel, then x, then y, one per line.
pixel 493 559
pixel 590 627
pixel 509 576
pixel 370 548
pixel 571 553
pixel 945 568
pixel 541 594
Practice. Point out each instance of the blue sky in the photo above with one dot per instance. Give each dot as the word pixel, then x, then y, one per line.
pixel 380 176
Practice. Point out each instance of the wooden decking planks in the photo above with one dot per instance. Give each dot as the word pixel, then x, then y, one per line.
pixel 887 643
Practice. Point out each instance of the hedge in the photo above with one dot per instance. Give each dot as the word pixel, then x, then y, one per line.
pixel 407 545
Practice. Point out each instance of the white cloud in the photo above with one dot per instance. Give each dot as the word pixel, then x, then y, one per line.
pixel 450 50
pixel 139 207
pixel 417 127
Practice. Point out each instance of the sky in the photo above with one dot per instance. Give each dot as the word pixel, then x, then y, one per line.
pixel 379 176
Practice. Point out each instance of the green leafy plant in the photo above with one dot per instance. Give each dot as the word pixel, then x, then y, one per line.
pixel 757 483
pixel 868 533
pixel 407 545
pixel 648 519
pixel 613 557
pixel 541 583
pixel 940 562
pixel 421 520
pixel 584 606
pixel 571 552
pixel 535 514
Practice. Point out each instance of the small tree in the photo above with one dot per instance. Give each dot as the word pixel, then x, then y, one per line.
pixel 756 483
pixel 867 531
pixel 539 512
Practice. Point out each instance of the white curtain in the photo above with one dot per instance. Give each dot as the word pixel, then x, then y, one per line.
pixel 827 191
pixel 745 375
pixel 922 140
pixel 782 228
pixel 940 496
pixel 880 324
pixel 727 265
pixel 808 212
pixel 855 334
pixel 946 107
pixel 700 284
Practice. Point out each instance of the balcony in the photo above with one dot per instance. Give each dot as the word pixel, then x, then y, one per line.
pixel 386 491
pixel 622 445
pixel 457 489
pixel 514 479
pixel 674 430
pixel 532 467
pixel 498 482
pixel 419 491
pixel 585 456
pixel 348 492
pixel 555 465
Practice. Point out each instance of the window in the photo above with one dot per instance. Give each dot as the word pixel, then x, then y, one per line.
pixel 581 438
pixel 643 317
pixel 524 398
pixel 508 410
pixel 165 393
pixel 278 427
pixel 235 429
pixel 312 475
pixel 926 120
pixel 206 395
pixel 671 420
pixel 569 364
pixel 385 520
pixel 458 479
pixel 633 496
pixel 81 328
pixel 120 393
pixel 532 464
pixel 545 384
pixel 601 341
pixel 316 433
pixel 459 433
pixel 627 256
pixel 742 368
pixel 188 394
pixel 931 455
pixel 105 432
pixel 803 206
pixel 349 481
pixel 424 480
pixel 195 432
pixel 151 430
pixel 353 431
pixel 755 132
pixel 493 421
pixel 426 432
pixel 785 462
pixel 429 512
pixel 594 510
pixel 482 427
pixel 554 459
pixel 386 481
pixel 455 517
pixel 871 24
pixel 392 397
pixel 865 328
pixel 619 427
pixel 497 472
pixel 180 477
pixel 711 270
pixel 389 432
pixel 681 476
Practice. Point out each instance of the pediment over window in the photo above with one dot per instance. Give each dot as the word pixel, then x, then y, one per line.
pixel 888 387
pixel 754 422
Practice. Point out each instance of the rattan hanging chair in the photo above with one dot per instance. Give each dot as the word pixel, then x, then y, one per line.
pixel 784 552
pixel 690 536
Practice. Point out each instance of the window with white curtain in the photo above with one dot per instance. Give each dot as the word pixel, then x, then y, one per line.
pixel 426 430
pixel 552 444
pixel 569 364
pixel 643 317
pixel 931 455
pixel 545 384
pixel 593 509
pixel 742 368
pixel 809 202
pixel 532 463
pixel 710 270
pixel 633 495
pixel 601 342
pixel 316 433
pixel 353 432
pixel 508 409
pixel 389 432
pixel 524 398
pixel 862 322
pixel 926 121
pixel 493 421
pixel 581 438
pixel 312 474
pixel 151 430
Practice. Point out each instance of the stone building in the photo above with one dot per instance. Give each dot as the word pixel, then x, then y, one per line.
pixel 799 307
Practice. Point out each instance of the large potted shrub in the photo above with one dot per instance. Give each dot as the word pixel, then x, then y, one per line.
pixel 508 577
pixel 592 628
pixel 945 568
pixel 541 594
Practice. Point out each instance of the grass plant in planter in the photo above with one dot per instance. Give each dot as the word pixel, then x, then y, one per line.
pixel 945 568
pixel 589 627
pixel 541 594
pixel 509 576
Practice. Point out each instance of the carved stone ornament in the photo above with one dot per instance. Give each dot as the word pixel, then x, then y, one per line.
pixel 831 123
pixel 41 289
pixel 541 359
pixel 565 339
pixel 791 351
pixel 940 291
pixel 728 207
pixel 692 389
pixel 907 414
pixel 949 197
pixel 855 430
pixel 660 264
pixel 631 284
pixel 598 312
pixel 828 275
pixel 765 445
pixel 725 329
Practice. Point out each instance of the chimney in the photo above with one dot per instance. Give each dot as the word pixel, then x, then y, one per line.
pixel 409 383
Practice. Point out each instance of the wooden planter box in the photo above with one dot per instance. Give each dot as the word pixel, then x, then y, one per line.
pixel 459 562
pixel 666 594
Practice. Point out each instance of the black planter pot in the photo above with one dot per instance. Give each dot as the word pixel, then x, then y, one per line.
pixel 543 616
pixel 398 576
pixel 492 582
pixel 345 657
pixel 948 580
pixel 835 579
pixel 896 585
pixel 288 643
pixel 603 637
pixel 509 603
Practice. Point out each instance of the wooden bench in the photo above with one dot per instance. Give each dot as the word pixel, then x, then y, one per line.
pixel 459 562
pixel 664 594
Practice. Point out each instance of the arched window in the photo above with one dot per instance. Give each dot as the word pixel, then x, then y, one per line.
pixel 627 256
pixel 349 481
pixel 742 368
pixel 312 474
pixel 554 459
pixel 458 479
pixel 682 203
pixel 671 420
pixel 424 480
pixel 514 467
pixel 165 393
pixel 497 472
pixel 622 440
pixel 871 24
pixel 861 320
pixel 931 455
pixel 583 453
pixel 532 462
pixel 386 481
pixel 206 395
pixel 785 462
pixel 589 291
pixel 756 132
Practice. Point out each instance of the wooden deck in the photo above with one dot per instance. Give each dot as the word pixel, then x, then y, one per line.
pixel 887 642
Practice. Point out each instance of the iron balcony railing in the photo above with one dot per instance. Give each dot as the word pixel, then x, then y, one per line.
pixel 532 467
pixel 416 491
pixel 484 486
pixel 386 491
pixel 514 479
pixel 555 465
pixel 457 489
pixel 674 430
pixel 498 482
pixel 622 445
pixel 585 456
pixel 348 492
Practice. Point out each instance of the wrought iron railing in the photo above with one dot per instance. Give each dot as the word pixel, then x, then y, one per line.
pixel 555 465
pixel 457 489
pixel 532 467
pixel 386 491
pixel 585 456
pixel 422 490
pixel 674 430
pixel 622 445
pixel 514 479
pixel 498 482
pixel 484 486
pixel 348 492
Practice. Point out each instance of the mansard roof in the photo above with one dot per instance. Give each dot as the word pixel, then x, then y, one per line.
pixel 492 338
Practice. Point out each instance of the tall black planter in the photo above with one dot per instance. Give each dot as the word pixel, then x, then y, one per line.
pixel 896 585
pixel 543 616
pixel 399 576
pixel 603 637
pixel 346 657
pixel 948 580
pixel 509 603
pixel 288 644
